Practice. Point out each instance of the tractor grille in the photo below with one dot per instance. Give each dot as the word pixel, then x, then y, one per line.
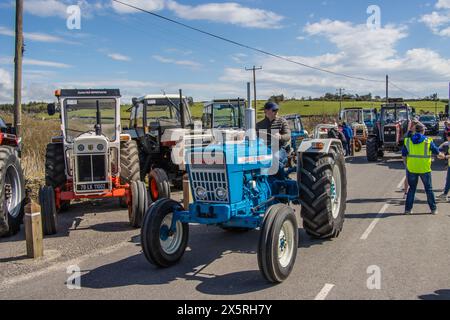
pixel 210 179
pixel 390 135
pixel 91 168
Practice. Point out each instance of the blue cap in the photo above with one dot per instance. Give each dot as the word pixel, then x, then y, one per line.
pixel 271 106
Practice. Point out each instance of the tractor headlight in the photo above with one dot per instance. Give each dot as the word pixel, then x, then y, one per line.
pixel 100 147
pixel 201 193
pixel 81 147
pixel 221 193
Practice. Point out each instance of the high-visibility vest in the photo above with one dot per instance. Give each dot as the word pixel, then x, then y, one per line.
pixel 419 156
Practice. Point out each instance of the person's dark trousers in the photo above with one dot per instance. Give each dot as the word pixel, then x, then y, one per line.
pixel 447 183
pixel 347 148
pixel 413 180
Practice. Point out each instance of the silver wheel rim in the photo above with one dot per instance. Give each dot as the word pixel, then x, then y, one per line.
pixel 173 241
pixel 335 192
pixel 286 243
pixel 12 192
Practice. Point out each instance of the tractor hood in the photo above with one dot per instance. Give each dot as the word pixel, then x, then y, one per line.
pixel 90 143
pixel 237 156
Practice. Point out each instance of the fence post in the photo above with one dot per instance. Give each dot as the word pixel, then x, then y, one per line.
pixel 33 230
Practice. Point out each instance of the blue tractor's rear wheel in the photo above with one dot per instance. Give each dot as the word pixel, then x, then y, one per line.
pixel 278 242
pixel 163 245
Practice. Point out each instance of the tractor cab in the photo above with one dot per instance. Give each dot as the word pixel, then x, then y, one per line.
pixel 224 114
pixel 298 132
pixel 355 118
pixel 91 158
pixel 392 126
pixel 370 118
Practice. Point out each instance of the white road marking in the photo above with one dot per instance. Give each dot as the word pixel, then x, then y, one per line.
pixel 322 295
pixel 400 185
pixel 374 222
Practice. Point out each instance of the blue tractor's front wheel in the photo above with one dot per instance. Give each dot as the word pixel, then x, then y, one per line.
pixel 278 242
pixel 163 240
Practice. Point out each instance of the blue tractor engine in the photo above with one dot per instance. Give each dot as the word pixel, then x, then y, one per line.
pixel 233 190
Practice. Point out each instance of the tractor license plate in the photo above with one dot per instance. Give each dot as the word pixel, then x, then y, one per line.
pixel 92 187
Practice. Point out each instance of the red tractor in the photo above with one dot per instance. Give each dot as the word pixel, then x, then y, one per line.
pixel 390 130
pixel 91 159
pixel 12 184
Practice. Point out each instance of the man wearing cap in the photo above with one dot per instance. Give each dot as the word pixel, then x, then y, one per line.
pixel 417 152
pixel 274 127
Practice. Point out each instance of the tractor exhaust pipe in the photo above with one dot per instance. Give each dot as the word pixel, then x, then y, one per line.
pixel 250 117
pixel 183 120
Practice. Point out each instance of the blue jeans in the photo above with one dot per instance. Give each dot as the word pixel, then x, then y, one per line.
pixel 447 183
pixel 413 180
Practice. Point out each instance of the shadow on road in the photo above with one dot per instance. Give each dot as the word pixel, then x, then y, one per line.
pixel 443 294
pixel 207 245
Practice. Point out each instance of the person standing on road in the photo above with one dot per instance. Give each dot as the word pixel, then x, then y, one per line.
pixel 348 133
pixel 445 148
pixel 275 127
pixel 417 153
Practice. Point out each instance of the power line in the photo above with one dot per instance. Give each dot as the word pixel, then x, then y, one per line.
pixel 247 46
pixel 401 89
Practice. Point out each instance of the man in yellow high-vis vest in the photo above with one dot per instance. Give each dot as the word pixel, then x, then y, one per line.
pixel 417 153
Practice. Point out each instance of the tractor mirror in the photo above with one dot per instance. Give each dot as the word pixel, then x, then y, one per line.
pixel 51 109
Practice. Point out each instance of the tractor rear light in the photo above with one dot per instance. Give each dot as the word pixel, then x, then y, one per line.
pixel 169 143
pixel 125 137
pixel 318 145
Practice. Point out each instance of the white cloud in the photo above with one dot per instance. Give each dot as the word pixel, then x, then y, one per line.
pixel 34 36
pixel 228 12
pixel 186 63
pixel 6 86
pixel 438 21
pixel 46 8
pixel 443 4
pixel 149 5
pixel 373 55
pixel 44 63
pixel 118 57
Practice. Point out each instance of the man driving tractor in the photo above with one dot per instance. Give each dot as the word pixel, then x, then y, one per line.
pixel 275 127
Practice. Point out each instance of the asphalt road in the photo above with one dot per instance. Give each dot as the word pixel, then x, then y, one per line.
pixel 381 253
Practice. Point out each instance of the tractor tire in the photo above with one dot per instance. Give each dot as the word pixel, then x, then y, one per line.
pixel 55 175
pixel 372 149
pixel 278 243
pixel 159 185
pixel 48 210
pixel 12 192
pixel 129 162
pixel 323 193
pixel 139 203
pixel 160 247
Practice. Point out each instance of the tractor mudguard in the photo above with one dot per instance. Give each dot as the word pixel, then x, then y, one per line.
pixel 308 146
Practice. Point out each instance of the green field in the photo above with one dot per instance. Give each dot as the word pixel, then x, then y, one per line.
pixel 304 108
pixel 307 108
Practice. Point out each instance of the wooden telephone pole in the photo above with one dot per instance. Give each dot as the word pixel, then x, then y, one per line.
pixel 18 69
pixel 254 69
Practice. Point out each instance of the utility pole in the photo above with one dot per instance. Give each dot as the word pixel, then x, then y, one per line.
pixel 254 69
pixel 387 88
pixel 18 69
pixel 340 100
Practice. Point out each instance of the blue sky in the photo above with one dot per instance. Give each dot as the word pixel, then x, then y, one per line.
pixel 138 53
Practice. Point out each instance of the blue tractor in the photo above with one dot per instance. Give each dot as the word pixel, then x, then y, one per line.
pixel 233 188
